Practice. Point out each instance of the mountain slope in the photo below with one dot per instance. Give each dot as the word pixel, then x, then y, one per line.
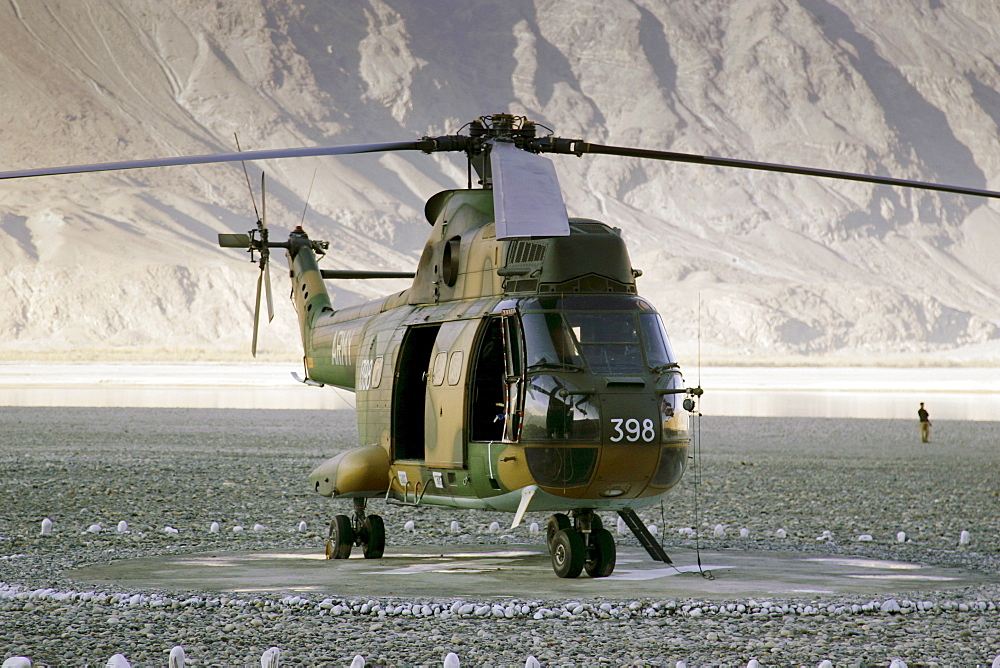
pixel 781 265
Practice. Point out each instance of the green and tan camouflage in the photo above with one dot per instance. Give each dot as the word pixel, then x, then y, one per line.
pixel 417 363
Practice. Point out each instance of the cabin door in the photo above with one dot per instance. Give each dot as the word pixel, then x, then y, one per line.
pixel 445 404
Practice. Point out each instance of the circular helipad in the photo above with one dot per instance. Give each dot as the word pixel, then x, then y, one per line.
pixel 525 572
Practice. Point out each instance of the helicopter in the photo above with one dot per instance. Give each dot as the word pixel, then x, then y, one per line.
pixel 521 371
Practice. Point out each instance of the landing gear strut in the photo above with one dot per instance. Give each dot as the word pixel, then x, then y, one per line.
pixel 580 544
pixel 365 531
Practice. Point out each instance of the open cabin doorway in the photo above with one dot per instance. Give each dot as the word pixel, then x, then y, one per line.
pixel 409 391
pixel 488 387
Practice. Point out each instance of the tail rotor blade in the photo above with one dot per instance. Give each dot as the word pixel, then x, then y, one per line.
pixel 256 315
pixel 267 291
pixel 263 202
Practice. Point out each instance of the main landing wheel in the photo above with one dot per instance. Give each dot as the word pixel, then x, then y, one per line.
pixel 580 544
pixel 341 540
pixel 600 561
pixel 567 553
pixel 373 537
pixel 556 523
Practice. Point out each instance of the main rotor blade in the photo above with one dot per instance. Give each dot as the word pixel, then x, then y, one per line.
pixel 527 200
pixel 267 154
pixel 584 147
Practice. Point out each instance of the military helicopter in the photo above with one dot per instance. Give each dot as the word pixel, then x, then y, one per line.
pixel 521 371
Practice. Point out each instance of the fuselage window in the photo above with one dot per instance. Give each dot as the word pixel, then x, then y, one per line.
pixel 437 372
pixel 455 367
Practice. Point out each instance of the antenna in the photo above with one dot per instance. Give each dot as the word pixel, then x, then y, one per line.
pixel 308 196
pixel 247 175
pixel 699 338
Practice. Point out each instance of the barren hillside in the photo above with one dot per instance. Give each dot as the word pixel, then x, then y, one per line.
pixel 782 266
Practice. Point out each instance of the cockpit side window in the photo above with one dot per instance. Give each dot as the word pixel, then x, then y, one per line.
pixel 655 342
pixel 548 342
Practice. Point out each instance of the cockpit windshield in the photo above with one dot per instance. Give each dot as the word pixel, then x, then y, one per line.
pixel 611 335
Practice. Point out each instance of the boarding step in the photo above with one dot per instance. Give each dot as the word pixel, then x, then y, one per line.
pixel 647 539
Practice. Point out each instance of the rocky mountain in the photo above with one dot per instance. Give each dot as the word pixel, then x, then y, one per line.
pixel 756 266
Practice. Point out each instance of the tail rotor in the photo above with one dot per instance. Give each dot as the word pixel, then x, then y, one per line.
pixel 259 243
pixel 256 242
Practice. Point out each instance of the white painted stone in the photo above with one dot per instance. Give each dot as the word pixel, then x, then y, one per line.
pixel 271 658
pixel 177 657
pixel 17 662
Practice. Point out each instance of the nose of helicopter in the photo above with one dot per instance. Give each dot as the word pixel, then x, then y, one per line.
pixel 624 471
pixel 612 471
pixel 630 471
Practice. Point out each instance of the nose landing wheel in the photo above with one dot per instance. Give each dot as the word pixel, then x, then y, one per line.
pixel 580 544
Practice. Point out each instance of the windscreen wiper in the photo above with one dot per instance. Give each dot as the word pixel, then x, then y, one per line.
pixel 555 365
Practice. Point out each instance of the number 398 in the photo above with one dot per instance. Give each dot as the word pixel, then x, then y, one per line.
pixel 632 430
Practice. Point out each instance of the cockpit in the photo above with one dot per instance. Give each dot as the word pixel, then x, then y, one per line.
pixel 609 335
pixel 541 361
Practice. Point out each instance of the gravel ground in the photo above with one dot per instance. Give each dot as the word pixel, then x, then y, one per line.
pixel 187 468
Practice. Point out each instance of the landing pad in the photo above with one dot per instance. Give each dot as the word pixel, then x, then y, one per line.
pixel 525 572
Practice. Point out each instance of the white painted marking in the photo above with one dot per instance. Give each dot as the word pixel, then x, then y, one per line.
pixel 920 578
pixel 868 563
pixel 661 572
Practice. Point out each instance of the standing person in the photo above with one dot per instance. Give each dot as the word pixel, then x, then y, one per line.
pixel 925 423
